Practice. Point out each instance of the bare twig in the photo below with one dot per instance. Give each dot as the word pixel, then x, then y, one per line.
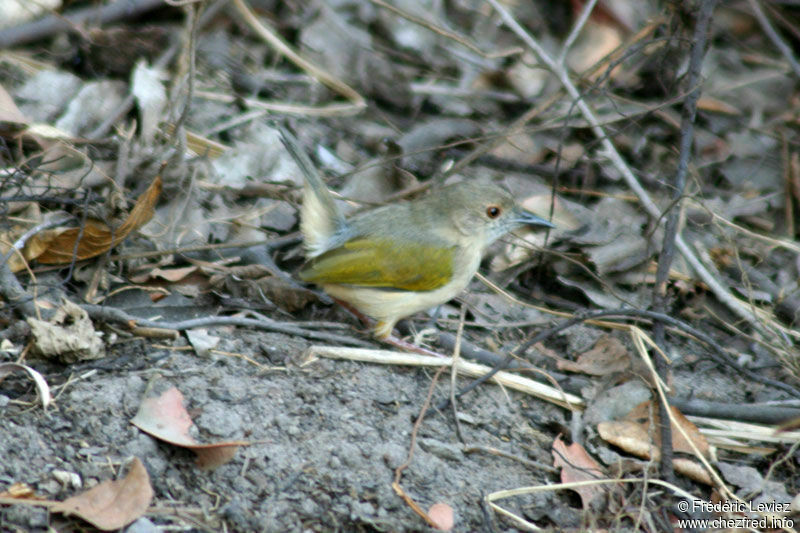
pixel 758 413
pixel 716 351
pixel 576 30
pixel 192 23
pixel 117 315
pixel 639 340
pixel 774 37
pixel 610 151
pixel 500 453
pixel 10 287
pixel 454 373
pixel 52 24
pixel 357 101
pixel 667 254
pixel 512 381
pixel 162 61
pixel 398 472
pixel 330 110
pixel 442 31
pixel 13 292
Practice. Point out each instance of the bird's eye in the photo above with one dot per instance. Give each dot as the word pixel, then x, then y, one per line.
pixel 493 211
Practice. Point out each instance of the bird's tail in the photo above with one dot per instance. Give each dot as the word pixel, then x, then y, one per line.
pixel 320 219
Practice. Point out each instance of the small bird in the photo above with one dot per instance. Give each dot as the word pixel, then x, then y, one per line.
pixel 399 259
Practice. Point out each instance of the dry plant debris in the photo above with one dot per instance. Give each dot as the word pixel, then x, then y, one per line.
pixel 112 504
pixel 164 416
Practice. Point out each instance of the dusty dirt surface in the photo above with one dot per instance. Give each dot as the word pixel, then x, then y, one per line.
pixel 327 436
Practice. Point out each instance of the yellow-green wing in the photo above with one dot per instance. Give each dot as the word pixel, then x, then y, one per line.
pixel 377 263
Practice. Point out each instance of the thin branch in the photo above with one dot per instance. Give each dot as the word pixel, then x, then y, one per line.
pixel 610 151
pixel 699 37
pixel 274 40
pixel 774 37
pixel 112 314
pixel 716 351
pixel 758 413
pixel 454 373
pixel 576 30
pixel 161 62
pixel 52 24
pixel 19 244
pixel 191 21
pixel 10 287
pixel 464 41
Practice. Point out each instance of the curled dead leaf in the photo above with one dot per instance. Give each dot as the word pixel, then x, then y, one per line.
pixel 642 415
pixel 259 283
pixel 167 274
pixel 20 491
pixel 68 336
pixel 629 436
pixel 636 436
pixel 607 356
pixel 693 470
pixel 96 237
pixel 165 417
pixel 41 385
pixel 577 465
pixel 112 504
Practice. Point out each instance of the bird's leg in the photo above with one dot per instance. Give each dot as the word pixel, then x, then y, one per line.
pixel 384 333
pixel 407 346
pixel 368 322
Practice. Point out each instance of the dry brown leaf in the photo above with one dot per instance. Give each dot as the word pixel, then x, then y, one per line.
pixel 607 356
pixel 634 439
pixel 261 283
pixel 20 491
pixel 97 237
pixel 693 470
pixel 634 436
pixel 597 41
pixel 708 103
pixel 168 274
pixel 112 504
pixel 641 415
pixel 630 437
pixel 251 271
pixel 286 295
pixel 32 214
pixel 41 384
pixel 69 335
pixel 577 465
pixel 9 112
pixel 34 247
pixel 165 418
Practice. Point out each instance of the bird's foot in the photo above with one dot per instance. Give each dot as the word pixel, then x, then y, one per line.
pixel 405 345
pixel 382 328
